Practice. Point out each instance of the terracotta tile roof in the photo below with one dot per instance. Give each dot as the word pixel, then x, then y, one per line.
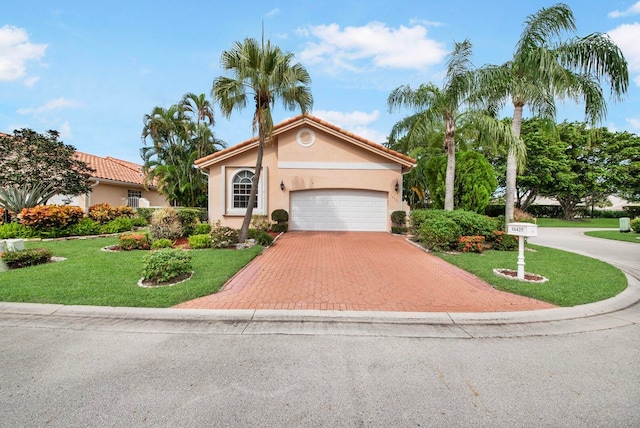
pixel 300 118
pixel 113 169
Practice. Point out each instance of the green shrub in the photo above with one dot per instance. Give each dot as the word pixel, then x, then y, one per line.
pixel 138 222
pixel 503 241
pixel 189 218
pixel 471 223
pixel 471 244
pixel 260 222
pixel 165 223
pixel 162 243
pixel 399 218
pixel 420 216
pixel 85 227
pixel 280 227
pixel 134 241
pixel 223 236
pixel 145 214
pixel 635 225
pixel 280 215
pixel 165 264
pixel 202 228
pixel 119 225
pixel 16 230
pixel 439 233
pixel 632 211
pixel 261 237
pixel 399 230
pixel 200 241
pixel 28 257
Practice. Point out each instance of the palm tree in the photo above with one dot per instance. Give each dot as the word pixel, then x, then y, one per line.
pixel 265 72
pixel 437 106
pixel 179 135
pixel 545 67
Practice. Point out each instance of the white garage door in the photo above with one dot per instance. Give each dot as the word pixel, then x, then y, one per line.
pixel 348 210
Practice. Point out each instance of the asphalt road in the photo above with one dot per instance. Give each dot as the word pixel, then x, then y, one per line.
pixel 97 372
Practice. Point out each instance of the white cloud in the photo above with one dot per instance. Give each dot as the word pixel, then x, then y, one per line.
pixel 426 23
pixel 15 51
pixel 56 104
pixel 375 44
pixel 633 10
pixel 626 36
pixel 272 13
pixel 347 120
pixel 635 123
pixel 65 131
pixel 30 81
pixel 355 122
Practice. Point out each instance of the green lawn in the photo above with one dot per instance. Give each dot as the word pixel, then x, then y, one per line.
pixel 93 277
pixel 615 235
pixel 573 279
pixel 588 222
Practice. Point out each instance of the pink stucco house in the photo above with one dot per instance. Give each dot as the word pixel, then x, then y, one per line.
pixel 325 177
pixel 116 182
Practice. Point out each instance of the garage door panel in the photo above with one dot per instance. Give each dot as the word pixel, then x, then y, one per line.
pixel 358 210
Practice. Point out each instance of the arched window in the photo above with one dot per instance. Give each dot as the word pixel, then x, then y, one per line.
pixel 241 189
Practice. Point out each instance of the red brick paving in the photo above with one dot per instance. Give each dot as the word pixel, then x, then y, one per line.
pixel 360 271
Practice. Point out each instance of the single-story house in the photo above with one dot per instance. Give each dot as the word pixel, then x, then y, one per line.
pixel 325 177
pixel 116 182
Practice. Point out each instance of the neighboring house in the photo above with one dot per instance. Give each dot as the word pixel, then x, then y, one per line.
pixel 325 177
pixel 617 203
pixel 116 182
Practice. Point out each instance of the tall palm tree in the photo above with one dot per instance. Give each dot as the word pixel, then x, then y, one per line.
pixel 445 107
pixel 545 67
pixel 265 73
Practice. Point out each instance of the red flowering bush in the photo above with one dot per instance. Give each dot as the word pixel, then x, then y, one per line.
pixel 470 244
pixel 134 241
pixel 50 216
pixel 502 241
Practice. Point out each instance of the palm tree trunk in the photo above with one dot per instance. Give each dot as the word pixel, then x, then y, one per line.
pixel 450 147
pixel 512 166
pixel 244 230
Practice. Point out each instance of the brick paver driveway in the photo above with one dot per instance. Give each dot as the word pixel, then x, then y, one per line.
pixel 357 271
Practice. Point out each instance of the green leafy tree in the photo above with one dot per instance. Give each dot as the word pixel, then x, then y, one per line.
pixel 474 184
pixel 34 167
pixel 265 73
pixel 446 107
pixel 545 66
pixel 624 150
pixel 173 139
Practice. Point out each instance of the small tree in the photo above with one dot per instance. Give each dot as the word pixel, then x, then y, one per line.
pixel 474 184
pixel 34 167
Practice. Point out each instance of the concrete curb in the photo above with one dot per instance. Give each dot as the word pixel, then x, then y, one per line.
pixel 628 298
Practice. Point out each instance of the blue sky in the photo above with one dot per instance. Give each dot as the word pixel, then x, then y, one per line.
pixel 92 70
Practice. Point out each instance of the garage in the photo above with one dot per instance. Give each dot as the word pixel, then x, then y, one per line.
pixel 339 210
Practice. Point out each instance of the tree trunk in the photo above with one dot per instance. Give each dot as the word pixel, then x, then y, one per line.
pixel 450 148
pixel 244 230
pixel 512 165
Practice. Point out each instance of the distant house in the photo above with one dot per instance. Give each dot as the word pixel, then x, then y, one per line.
pixel 116 182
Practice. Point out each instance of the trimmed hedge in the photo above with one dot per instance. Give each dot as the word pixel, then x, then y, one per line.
pixel 25 258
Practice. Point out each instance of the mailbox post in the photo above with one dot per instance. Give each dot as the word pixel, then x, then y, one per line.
pixel 521 230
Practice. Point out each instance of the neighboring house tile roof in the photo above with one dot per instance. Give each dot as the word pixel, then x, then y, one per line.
pixel 113 169
pixel 282 126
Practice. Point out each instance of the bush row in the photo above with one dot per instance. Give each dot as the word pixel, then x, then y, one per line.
pixel 462 230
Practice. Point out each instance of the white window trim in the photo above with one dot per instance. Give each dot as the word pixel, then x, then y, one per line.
pixel 261 208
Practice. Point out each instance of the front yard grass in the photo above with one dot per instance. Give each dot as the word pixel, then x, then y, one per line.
pixel 93 277
pixel 586 222
pixel 615 235
pixel 573 279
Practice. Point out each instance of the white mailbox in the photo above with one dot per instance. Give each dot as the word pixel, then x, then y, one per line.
pixel 522 229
